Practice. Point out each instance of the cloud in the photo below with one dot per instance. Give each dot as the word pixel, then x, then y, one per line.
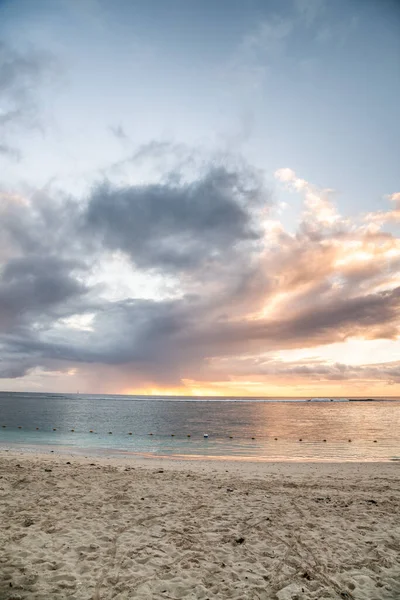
pixel 268 45
pixel 396 199
pixel 302 371
pixel 177 226
pixel 119 132
pixel 310 10
pixel 52 244
pixel 389 216
pixel 257 52
pixel 20 76
pixel 319 208
pixel 10 152
pixel 243 287
pixel 36 286
pixel 14 367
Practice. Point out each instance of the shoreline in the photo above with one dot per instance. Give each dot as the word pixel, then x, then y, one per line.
pixel 237 464
pixel 91 528
pixel 127 456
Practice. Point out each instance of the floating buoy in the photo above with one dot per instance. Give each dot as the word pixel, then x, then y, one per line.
pixel 72 430
pixel 188 435
pixel 54 429
pixel 91 431
pixel 172 435
pixel 150 434
pixel 130 433
pixel 205 435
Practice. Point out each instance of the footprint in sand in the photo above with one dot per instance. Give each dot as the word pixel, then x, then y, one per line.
pixel 91 548
pixel 65 579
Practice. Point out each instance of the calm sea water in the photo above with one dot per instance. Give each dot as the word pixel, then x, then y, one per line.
pixel 282 430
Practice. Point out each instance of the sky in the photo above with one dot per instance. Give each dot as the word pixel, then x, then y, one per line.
pixel 200 197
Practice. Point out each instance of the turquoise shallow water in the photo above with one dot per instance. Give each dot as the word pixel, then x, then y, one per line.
pixel 255 429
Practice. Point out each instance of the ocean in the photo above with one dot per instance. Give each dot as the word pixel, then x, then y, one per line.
pixel 291 429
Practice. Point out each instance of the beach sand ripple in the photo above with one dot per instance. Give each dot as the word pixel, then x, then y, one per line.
pixel 197 530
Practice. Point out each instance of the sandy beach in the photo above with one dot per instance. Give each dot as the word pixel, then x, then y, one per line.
pixel 96 529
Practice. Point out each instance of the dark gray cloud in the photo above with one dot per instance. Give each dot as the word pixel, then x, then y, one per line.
pixel 53 242
pixel 35 286
pixel 12 367
pixel 45 224
pixel 373 316
pixel 139 336
pixel 176 226
pixel 167 341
